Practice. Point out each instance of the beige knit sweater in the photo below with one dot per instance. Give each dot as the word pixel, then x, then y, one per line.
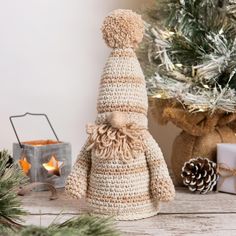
pixel 127 191
pixel 120 169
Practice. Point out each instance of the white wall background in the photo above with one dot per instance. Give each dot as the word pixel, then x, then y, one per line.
pixel 51 58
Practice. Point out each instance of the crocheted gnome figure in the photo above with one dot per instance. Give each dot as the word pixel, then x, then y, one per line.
pixel 121 169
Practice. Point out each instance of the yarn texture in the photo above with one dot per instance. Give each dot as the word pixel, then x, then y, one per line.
pixel 120 169
pixel 124 143
pixel 123 29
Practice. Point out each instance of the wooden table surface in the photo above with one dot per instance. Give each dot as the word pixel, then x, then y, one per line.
pixel 189 214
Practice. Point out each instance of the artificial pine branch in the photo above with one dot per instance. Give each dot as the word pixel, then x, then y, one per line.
pixel 195 39
pixel 85 225
pixel 11 178
pixel 90 225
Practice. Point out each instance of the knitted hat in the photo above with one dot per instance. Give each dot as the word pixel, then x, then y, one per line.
pixel 122 86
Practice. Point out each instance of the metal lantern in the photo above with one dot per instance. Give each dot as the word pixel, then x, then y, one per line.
pixel 46 161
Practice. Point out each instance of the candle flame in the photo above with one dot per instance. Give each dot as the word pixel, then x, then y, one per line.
pixel 53 167
pixel 25 165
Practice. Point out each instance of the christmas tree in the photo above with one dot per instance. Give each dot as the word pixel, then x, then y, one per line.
pixel 189 54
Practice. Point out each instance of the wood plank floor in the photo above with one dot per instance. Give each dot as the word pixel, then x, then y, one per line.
pixel 189 214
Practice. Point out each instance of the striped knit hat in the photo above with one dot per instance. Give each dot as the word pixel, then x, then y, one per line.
pixel 122 86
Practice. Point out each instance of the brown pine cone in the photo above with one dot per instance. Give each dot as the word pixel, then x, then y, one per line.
pixel 200 175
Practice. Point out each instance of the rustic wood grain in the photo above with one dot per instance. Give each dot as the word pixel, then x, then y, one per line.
pixel 176 225
pixel 185 202
pixel 189 214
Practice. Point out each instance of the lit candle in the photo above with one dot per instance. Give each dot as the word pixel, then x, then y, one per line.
pixel 25 165
pixel 53 167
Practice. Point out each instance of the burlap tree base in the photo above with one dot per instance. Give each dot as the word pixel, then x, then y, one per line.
pixel 201 132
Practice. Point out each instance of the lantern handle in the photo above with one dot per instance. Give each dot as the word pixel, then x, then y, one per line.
pixel 32 114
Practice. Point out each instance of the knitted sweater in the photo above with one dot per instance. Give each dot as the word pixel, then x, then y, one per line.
pixel 127 191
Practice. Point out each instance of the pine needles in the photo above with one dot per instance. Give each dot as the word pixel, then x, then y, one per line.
pixel 195 39
pixel 85 225
pixel 11 177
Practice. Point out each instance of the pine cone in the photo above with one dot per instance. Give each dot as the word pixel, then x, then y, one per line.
pixel 200 175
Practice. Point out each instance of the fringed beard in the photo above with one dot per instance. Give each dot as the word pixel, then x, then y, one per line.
pixel 108 142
